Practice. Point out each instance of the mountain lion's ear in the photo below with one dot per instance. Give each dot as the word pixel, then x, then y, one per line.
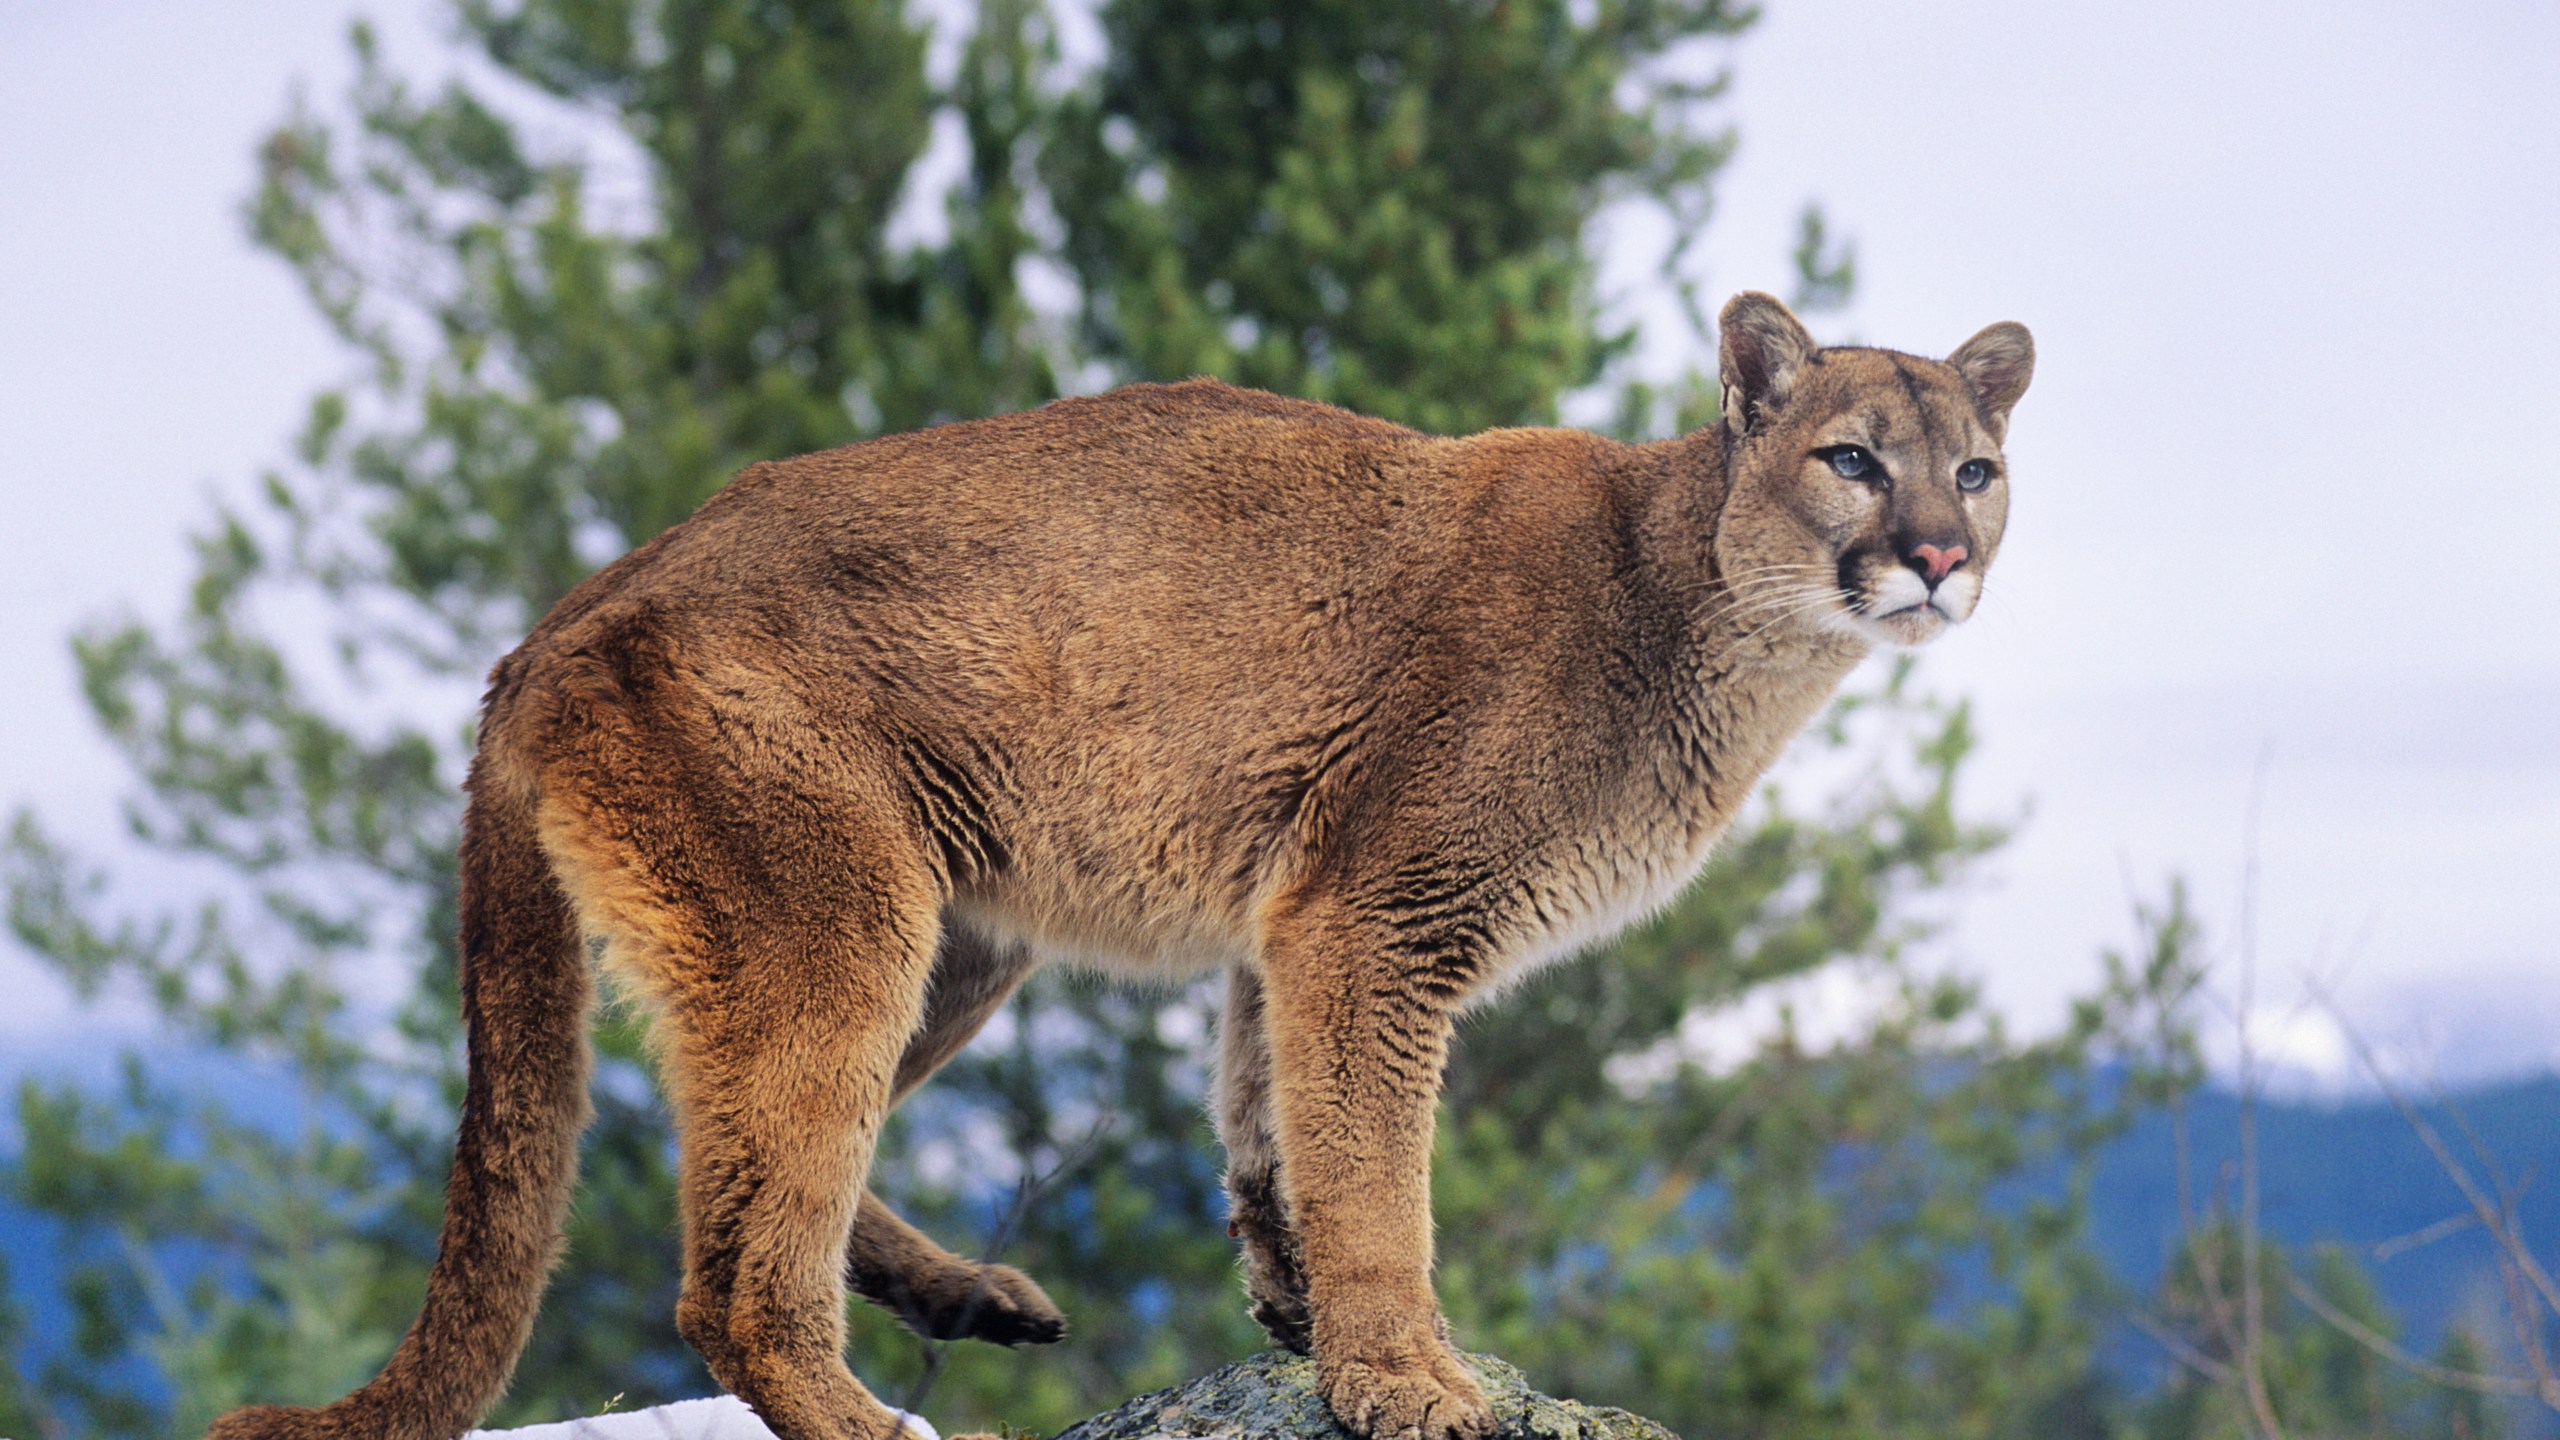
pixel 1759 345
pixel 1997 363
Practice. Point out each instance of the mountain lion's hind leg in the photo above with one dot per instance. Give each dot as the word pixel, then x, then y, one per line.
pixel 1257 1214
pixel 1360 1002
pixel 892 1264
pixel 779 1046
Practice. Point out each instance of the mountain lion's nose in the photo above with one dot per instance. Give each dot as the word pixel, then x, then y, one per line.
pixel 1933 562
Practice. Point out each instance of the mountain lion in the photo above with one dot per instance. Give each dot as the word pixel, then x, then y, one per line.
pixel 1172 678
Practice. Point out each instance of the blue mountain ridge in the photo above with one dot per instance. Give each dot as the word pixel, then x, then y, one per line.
pixel 2348 1172
pixel 2352 1173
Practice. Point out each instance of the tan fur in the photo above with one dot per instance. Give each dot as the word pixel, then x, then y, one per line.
pixel 1172 678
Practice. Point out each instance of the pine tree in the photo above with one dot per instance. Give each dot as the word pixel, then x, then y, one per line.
pixel 1382 205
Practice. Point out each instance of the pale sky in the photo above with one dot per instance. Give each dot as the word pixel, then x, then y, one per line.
pixel 2293 277
pixel 2281 487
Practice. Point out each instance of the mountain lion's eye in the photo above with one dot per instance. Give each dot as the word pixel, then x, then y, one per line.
pixel 1973 475
pixel 1849 462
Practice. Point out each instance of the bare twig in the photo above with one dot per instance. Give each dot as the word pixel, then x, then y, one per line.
pixel 2202 1245
pixel 2484 1207
pixel 2527 1320
pixel 2253 1310
pixel 2383 1346
pixel 2529 1286
pixel 2179 1350
pixel 2398 1245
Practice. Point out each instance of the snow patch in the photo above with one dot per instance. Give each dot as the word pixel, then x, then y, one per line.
pixel 722 1417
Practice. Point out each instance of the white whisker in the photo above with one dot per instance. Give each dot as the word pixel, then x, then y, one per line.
pixel 1740 615
pixel 1778 595
pixel 1733 579
pixel 1806 602
pixel 1775 621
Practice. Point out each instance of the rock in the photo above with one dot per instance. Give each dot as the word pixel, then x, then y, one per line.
pixel 1269 1397
pixel 1273 1397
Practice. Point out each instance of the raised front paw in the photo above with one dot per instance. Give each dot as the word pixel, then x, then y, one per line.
pixel 1002 1306
pixel 1425 1395
pixel 963 1301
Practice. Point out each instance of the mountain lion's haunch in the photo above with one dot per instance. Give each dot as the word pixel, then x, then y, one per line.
pixel 1175 678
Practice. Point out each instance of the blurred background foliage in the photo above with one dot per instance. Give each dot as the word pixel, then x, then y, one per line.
pixel 625 247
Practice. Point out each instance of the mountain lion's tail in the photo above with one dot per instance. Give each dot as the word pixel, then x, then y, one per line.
pixel 525 999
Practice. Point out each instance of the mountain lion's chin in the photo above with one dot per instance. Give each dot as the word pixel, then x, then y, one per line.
pixel 1910 627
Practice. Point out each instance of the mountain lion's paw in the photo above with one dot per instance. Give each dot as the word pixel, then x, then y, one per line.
pixel 1004 1307
pixel 1286 1322
pixel 1424 1396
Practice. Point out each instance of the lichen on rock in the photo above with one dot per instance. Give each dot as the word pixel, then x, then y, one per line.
pixel 1269 1397
pixel 1273 1397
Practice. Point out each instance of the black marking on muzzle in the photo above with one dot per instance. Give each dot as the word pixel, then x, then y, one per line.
pixel 1846 577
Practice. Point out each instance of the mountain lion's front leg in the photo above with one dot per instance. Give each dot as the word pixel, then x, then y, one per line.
pixel 1359 1010
pixel 1257 1214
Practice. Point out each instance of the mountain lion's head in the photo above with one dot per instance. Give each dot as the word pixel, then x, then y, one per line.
pixel 1868 489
